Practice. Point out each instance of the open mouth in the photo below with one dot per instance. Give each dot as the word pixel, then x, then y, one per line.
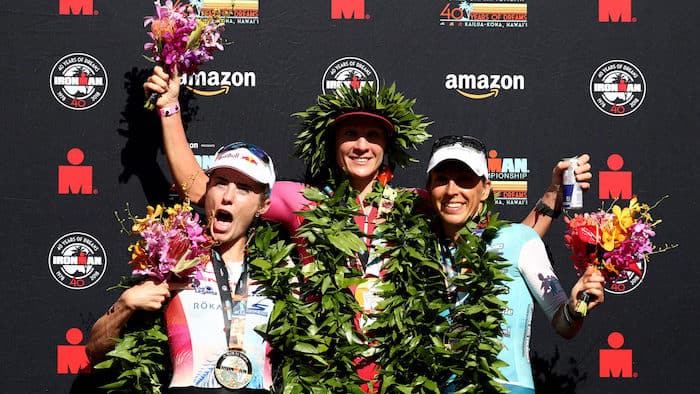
pixel 223 216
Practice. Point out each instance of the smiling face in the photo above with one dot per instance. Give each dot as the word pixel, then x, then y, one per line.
pixel 359 148
pixel 231 202
pixel 456 194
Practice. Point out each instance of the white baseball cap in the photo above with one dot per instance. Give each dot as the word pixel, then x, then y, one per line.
pixel 465 149
pixel 247 159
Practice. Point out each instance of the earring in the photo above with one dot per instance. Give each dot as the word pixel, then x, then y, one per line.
pixel 257 215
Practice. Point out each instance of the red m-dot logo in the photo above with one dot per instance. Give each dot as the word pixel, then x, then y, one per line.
pixel 76 7
pixel 75 178
pixel 348 9
pixel 616 362
pixel 615 11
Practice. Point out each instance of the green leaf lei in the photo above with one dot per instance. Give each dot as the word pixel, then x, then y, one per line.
pixel 311 327
pixel 140 361
pixel 421 342
pixel 424 343
pixel 409 329
pixel 476 325
pixel 314 143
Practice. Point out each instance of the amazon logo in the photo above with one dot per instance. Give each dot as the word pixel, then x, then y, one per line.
pixel 214 83
pixel 483 86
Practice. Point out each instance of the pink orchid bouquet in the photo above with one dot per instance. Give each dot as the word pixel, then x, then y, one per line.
pixel 614 241
pixel 180 39
pixel 172 246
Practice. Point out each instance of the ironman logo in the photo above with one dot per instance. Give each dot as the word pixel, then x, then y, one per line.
pixel 617 88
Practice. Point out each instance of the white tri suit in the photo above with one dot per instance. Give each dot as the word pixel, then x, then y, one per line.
pixel 195 326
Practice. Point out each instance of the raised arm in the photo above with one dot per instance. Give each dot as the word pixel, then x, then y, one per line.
pixel 190 180
pixel 147 296
pixel 540 217
pixel 188 176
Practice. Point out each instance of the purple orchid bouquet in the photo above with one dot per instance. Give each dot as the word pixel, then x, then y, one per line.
pixel 173 245
pixel 180 39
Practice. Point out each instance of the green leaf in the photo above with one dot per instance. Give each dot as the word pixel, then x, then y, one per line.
pixel 106 364
pixel 310 269
pixel 313 194
pixel 305 348
pixel 345 244
pixel 261 263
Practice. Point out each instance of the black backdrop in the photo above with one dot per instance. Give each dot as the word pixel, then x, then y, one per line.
pixel 288 49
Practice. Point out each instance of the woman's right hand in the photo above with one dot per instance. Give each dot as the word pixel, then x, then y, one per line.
pixel 147 295
pixel 168 86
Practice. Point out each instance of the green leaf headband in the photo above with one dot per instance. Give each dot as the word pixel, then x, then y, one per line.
pixel 318 120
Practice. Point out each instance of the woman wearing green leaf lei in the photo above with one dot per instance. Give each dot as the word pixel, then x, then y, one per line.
pixel 460 193
pixel 210 315
pixel 371 289
pixel 344 141
pixel 346 137
pixel 394 284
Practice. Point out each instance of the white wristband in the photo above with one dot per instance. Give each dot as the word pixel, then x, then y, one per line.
pixel 168 111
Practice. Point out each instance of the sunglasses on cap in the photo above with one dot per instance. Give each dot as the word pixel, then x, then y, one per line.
pixel 464 140
pixel 259 153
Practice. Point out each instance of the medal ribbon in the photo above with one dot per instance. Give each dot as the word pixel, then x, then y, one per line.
pixel 233 306
pixel 386 203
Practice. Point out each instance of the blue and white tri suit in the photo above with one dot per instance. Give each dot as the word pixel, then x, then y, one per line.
pixel 533 278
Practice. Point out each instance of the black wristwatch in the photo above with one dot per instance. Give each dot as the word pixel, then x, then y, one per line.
pixel 544 209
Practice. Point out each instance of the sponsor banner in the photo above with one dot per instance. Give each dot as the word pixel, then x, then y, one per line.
pixel 616 11
pixel 235 12
pixel 628 281
pixel 77 261
pixel 508 177
pixel 204 153
pixel 71 359
pixel 615 183
pixel 214 83
pixel 348 9
pixel 484 13
pixel 76 7
pixel 348 71
pixel 616 362
pixel 617 88
pixel 78 81
pixel 75 178
pixel 483 86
